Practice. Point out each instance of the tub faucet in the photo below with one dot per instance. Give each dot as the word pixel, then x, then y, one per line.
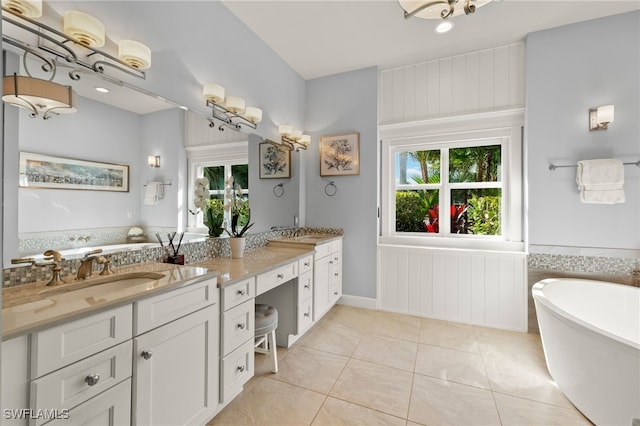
pixel 86 266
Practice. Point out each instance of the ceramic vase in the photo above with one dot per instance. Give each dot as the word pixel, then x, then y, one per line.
pixel 237 247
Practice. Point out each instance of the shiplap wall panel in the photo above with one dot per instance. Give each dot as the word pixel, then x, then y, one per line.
pixel 199 133
pixel 455 285
pixel 486 80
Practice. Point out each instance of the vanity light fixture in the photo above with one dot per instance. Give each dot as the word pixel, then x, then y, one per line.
pixel 41 97
pixel 86 29
pixel 440 9
pixel 231 110
pixel 154 161
pixel 75 47
pixel 293 139
pixel 600 117
pixel 29 8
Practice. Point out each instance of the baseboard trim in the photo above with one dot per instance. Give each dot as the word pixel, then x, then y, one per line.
pixel 358 302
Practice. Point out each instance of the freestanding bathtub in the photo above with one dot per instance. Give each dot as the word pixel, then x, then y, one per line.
pixel 590 332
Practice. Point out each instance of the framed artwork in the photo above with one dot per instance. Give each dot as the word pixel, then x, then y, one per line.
pixel 45 171
pixel 275 163
pixel 340 155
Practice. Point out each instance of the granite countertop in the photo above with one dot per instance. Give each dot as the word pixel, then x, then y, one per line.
pixel 32 307
pixel 311 240
pixel 254 262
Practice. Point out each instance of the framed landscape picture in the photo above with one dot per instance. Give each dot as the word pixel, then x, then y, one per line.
pixel 275 163
pixel 45 171
pixel 340 155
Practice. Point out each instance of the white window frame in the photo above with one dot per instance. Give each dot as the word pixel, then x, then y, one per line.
pixel 472 130
pixel 227 155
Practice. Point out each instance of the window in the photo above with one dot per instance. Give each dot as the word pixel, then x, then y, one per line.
pixel 465 177
pixel 454 182
pixel 217 163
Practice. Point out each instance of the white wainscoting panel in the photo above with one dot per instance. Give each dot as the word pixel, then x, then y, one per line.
pixel 486 80
pixel 199 133
pixel 470 286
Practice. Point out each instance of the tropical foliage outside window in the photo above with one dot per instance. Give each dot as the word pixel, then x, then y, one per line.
pixel 217 175
pixel 466 179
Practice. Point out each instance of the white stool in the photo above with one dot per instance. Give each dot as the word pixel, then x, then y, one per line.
pixel 265 335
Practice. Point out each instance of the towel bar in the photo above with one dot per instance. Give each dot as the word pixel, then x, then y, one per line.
pixel 553 166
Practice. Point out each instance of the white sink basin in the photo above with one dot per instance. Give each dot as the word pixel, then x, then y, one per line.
pixel 123 280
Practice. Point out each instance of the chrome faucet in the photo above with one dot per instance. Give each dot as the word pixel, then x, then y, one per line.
pixel 86 266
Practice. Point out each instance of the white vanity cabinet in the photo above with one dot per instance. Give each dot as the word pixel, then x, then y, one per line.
pixel 237 327
pixel 175 368
pixel 327 285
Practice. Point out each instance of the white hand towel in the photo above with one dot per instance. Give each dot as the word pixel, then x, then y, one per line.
pixel 601 181
pixel 605 174
pixel 151 193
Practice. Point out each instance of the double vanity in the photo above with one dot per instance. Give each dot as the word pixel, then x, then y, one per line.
pixel 157 343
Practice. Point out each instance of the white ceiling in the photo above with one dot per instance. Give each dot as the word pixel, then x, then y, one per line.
pixel 320 38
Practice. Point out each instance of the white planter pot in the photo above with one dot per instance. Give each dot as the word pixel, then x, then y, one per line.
pixel 237 247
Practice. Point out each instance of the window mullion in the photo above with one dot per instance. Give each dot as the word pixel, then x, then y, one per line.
pixel 445 193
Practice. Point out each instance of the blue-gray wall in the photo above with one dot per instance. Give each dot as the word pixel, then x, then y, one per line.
pixel 346 103
pixel 569 70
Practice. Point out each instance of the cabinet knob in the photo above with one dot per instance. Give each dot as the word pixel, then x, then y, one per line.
pixel 335 274
pixel 307 286
pixel 335 258
pixel 146 354
pixel 335 293
pixel 307 263
pixel 306 314
pixel 92 379
pixel 242 292
pixel 280 276
pixel 241 368
pixel 241 326
pixel 331 262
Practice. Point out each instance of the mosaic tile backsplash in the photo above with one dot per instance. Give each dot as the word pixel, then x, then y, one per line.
pixel 195 251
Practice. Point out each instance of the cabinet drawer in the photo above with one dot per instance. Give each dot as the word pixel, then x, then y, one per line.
pixel 235 294
pixel 336 272
pixel 322 250
pixel 305 315
pixel 72 385
pixel 235 370
pixel 110 408
pixel 56 347
pixel 305 286
pixel 164 308
pixel 335 258
pixel 238 326
pixel 336 245
pixel 305 264
pixel 269 280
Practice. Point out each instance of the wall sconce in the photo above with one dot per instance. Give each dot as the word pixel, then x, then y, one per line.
pixel 600 117
pixel 76 45
pixel 41 97
pixel 230 110
pixel 293 139
pixel 154 161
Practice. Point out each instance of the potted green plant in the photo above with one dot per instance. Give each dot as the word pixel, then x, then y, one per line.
pixel 240 217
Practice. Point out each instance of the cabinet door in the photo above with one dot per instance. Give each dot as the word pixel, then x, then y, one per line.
pixel 176 371
pixel 321 286
pixel 15 380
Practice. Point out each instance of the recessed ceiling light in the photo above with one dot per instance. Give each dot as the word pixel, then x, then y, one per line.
pixel 102 89
pixel 444 26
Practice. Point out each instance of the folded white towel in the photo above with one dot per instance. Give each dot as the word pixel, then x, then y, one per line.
pixel 152 193
pixel 605 174
pixel 601 181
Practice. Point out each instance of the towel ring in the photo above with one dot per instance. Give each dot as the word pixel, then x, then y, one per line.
pixel 331 189
pixel 278 192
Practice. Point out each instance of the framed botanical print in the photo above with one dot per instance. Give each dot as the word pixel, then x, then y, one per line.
pixel 275 162
pixel 340 155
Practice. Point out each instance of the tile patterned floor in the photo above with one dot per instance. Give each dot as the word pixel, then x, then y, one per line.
pixel 364 367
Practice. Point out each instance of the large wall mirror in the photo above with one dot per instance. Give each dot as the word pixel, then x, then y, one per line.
pixel 125 127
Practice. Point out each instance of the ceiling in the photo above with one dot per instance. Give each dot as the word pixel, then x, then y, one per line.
pixel 320 38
